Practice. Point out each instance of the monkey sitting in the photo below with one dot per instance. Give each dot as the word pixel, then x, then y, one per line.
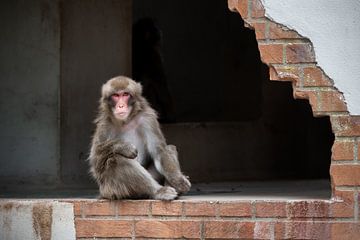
pixel 129 155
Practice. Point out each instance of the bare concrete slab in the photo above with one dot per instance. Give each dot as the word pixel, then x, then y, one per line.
pixel 252 190
pixel 262 190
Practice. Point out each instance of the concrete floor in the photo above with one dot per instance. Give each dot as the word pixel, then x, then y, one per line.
pixel 256 190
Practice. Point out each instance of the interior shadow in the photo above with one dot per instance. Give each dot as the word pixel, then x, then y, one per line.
pixel 232 122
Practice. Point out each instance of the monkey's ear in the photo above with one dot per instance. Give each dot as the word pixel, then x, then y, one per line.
pixel 106 89
pixel 138 88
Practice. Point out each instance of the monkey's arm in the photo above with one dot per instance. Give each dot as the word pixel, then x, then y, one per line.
pixel 103 154
pixel 110 147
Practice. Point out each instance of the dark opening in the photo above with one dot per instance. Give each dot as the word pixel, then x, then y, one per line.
pixel 201 70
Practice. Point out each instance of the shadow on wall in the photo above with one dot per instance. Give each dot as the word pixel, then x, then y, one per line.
pixel 233 123
pixel 148 67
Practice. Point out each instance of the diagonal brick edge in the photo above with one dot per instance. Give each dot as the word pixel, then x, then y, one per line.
pixel 291 57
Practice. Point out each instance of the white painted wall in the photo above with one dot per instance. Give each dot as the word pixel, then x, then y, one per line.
pixel 333 26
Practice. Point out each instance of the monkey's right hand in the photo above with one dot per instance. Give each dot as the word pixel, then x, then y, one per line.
pixel 127 150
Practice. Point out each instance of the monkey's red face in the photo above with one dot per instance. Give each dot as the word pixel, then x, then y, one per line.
pixel 121 106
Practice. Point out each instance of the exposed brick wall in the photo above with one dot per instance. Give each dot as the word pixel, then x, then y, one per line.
pixel 290 57
pixel 327 219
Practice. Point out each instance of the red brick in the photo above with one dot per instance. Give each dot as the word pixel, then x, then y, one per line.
pixel 310 95
pixel 229 230
pixel 345 175
pixel 77 208
pixel 134 207
pixel 273 74
pixel 308 209
pixel 103 228
pixel 313 76
pixel 342 150
pixel 200 209
pixel 346 196
pixel 235 209
pixel 343 205
pixel 99 208
pixel 166 208
pixel 257 9
pixel 277 31
pixel 232 4
pixel 358 204
pixel 270 209
pixel 285 74
pixel 299 53
pixel 345 231
pixel 346 125
pixel 167 229
pixel 272 53
pixel 221 229
pixel 263 230
pixel 240 5
pixel 259 30
pixel 358 151
pixel 332 101
pixel 302 230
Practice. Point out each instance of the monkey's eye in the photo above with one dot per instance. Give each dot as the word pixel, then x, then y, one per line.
pixel 126 94
pixel 115 96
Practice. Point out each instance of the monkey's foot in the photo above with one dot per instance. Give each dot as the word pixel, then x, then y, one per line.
pixel 181 184
pixel 166 193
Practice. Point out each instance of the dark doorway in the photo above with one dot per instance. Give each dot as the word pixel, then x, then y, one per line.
pixel 229 121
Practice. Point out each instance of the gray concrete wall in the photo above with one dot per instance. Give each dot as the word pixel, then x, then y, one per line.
pixel 54 57
pixel 96 45
pixel 30 72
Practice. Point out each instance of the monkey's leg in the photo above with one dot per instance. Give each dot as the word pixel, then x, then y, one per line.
pixel 131 180
pixel 155 173
pixel 167 164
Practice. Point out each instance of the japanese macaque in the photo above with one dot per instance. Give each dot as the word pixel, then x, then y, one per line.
pixel 129 157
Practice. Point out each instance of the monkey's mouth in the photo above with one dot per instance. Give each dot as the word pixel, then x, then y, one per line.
pixel 121 115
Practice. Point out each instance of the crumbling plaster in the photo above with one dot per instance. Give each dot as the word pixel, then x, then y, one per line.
pixel 333 27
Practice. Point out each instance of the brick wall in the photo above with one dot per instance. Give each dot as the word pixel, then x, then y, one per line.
pixel 326 219
pixel 290 57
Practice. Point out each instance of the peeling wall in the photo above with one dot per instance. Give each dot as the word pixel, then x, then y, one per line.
pixel 333 26
pixel 34 220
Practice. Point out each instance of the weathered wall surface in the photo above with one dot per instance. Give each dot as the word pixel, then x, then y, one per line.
pixel 35 220
pixel 95 46
pixel 30 72
pixel 54 58
pixel 334 29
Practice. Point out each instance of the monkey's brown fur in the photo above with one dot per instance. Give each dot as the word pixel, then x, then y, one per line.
pixel 121 148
